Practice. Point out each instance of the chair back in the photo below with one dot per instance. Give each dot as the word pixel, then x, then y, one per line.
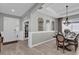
pixel 66 32
pixel 76 38
pixel 1 38
pixel 72 34
pixel 60 38
pixel 0 34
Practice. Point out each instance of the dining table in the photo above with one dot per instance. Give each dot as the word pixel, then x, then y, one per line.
pixel 69 39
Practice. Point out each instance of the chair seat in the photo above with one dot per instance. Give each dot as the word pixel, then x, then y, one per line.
pixel 65 43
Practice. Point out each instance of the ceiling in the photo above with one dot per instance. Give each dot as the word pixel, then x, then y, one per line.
pixel 59 9
pixel 52 9
pixel 17 9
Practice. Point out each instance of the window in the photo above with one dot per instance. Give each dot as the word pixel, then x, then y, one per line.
pixel 40 24
pixel 47 25
pixel 75 27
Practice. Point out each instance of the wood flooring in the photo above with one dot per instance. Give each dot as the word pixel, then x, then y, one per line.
pixel 49 48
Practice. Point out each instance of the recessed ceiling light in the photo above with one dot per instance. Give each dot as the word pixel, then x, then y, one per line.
pixel 13 10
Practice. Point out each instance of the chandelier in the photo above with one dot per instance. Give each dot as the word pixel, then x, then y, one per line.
pixel 66 21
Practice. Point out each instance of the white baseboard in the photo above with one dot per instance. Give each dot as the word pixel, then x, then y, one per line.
pixel 42 42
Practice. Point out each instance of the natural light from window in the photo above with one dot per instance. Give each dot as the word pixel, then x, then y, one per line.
pixel 74 27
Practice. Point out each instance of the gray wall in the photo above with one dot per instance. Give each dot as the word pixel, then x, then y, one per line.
pixel 60 25
pixel 56 25
pixel 40 36
pixel 1 23
pixel 6 15
pixel 72 17
pixel 21 25
pixel 34 21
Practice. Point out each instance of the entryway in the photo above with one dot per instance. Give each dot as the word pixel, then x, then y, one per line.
pixel 26 29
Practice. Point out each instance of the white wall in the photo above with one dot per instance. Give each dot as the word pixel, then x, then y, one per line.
pixel 11 29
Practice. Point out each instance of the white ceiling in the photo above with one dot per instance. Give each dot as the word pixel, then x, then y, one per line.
pixel 52 9
pixel 59 9
pixel 18 8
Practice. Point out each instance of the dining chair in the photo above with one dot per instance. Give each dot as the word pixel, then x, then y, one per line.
pixel 74 41
pixel 73 34
pixel 1 41
pixel 60 41
pixel 66 32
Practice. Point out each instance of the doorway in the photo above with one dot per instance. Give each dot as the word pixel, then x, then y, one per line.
pixel 26 29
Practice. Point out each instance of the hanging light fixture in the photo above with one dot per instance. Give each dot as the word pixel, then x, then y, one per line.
pixel 66 22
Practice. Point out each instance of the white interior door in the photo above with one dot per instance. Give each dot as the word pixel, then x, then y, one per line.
pixel 11 27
